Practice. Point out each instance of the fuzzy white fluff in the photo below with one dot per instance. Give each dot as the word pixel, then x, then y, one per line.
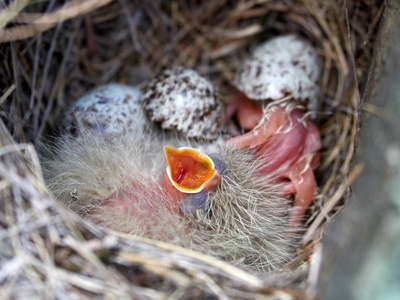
pixel 115 184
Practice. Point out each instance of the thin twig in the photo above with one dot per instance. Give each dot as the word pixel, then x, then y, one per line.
pixel 43 22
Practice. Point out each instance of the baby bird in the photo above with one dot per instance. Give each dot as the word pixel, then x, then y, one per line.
pixel 111 165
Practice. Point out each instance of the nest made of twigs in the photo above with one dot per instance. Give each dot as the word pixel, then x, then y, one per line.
pixel 48 62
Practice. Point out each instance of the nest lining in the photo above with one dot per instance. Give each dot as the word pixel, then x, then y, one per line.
pixel 129 42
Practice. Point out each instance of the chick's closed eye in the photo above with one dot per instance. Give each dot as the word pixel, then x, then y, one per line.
pixel 191 203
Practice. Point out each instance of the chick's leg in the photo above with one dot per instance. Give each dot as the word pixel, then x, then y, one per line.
pixel 303 179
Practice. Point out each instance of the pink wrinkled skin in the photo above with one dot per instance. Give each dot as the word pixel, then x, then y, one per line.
pixel 290 145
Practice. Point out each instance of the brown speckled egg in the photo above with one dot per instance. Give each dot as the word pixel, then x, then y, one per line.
pixel 285 65
pixel 111 110
pixel 182 100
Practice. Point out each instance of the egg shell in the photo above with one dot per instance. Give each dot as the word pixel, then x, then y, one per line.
pixel 112 110
pixel 182 100
pixel 285 65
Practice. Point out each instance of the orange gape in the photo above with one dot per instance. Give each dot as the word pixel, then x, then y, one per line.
pixel 187 172
pixel 189 169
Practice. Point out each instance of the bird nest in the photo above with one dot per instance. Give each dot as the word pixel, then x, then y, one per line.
pixel 53 52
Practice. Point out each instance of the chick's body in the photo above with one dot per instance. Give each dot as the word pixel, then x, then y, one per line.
pixel 116 185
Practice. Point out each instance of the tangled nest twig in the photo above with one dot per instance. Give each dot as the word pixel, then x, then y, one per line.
pixel 49 253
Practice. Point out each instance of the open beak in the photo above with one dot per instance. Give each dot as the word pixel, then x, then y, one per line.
pixel 190 171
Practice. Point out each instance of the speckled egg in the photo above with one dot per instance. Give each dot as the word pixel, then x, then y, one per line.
pixel 111 110
pixel 283 66
pixel 182 100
